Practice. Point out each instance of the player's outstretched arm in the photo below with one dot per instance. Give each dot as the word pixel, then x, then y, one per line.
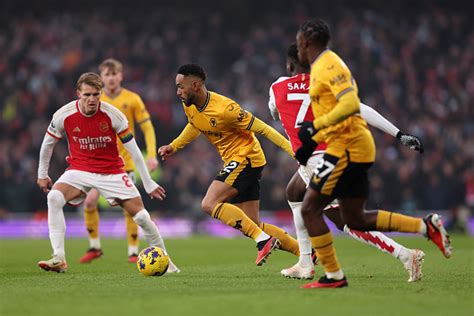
pixel 188 134
pixel 150 140
pixel 47 146
pixel 376 120
pixel 259 127
pixel 151 187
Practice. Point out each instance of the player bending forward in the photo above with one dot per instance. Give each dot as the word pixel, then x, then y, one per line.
pixel 91 128
pixel 234 195
pixel 290 103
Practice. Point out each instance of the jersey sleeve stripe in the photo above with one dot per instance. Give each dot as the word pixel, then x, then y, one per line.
pixel 52 135
pixel 143 121
pixel 251 123
pixel 340 94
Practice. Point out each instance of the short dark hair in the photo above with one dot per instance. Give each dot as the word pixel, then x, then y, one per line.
pixel 192 69
pixel 316 31
pixel 292 52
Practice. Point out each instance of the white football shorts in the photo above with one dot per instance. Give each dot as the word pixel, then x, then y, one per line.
pixel 110 186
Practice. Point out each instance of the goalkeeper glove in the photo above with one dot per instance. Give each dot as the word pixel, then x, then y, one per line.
pixel 305 134
pixel 410 141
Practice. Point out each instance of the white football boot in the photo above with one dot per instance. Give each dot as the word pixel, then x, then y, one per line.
pixel 55 264
pixel 172 268
pixel 413 265
pixel 298 272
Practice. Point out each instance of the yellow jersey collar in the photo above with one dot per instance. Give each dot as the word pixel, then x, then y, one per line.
pixel 320 55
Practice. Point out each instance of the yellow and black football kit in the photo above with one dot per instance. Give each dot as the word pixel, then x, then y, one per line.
pixel 231 130
pixel 351 149
pixel 130 104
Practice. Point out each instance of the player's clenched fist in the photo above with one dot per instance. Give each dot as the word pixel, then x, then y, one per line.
pixel 165 151
pixel 45 184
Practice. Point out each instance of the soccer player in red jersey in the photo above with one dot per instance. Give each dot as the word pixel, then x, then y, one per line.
pixel 289 102
pixel 91 128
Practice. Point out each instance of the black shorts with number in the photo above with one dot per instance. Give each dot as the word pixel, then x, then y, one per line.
pixel 242 177
pixel 341 178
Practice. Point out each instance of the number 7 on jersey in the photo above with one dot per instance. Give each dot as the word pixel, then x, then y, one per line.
pixel 305 103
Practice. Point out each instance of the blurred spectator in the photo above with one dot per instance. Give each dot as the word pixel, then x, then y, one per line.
pixel 415 67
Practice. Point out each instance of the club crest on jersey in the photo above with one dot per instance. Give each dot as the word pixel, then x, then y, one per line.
pixel 213 122
pixel 103 126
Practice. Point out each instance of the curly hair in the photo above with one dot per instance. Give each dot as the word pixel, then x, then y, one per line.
pixel 316 31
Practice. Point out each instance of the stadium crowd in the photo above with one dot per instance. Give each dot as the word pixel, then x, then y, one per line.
pixel 415 67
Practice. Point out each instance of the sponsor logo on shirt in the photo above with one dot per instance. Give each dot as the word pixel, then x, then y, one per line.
pixel 92 143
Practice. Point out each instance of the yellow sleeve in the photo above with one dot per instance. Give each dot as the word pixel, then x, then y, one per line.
pixel 271 134
pixel 140 113
pixel 236 117
pixel 188 134
pixel 142 117
pixel 150 140
pixel 347 105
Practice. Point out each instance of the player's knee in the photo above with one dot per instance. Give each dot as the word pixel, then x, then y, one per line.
pixel 142 218
pixel 295 190
pixel 56 199
pixel 290 193
pixel 90 204
pixel 208 205
pixel 355 223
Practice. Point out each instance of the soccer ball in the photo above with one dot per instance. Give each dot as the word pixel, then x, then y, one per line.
pixel 153 261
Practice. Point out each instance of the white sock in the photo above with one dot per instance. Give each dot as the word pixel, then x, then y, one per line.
pixel 94 243
pixel 405 254
pixel 150 231
pixel 132 250
pixel 263 236
pixel 302 236
pixel 423 228
pixel 377 240
pixel 56 222
pixel 338 275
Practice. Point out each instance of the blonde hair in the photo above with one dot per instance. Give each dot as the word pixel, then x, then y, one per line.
pixel 91 79
pixel 111 64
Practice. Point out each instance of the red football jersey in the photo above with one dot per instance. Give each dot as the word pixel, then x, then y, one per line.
pixel 92 139
pixel 290 102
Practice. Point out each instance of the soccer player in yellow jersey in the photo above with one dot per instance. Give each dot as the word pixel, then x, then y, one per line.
pixel 130 104
pixel 342 172
pixel 233 196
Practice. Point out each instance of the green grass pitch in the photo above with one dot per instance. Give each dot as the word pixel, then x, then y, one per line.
pixel 219 277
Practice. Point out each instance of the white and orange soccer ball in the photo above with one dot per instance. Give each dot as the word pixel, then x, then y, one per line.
pixel 153 261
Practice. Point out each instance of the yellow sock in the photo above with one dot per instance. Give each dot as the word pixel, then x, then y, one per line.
pixel 132 230
pixel 234 217
pixel 326 252
pixel 388 221
pixel 91 217
pixel 288 243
